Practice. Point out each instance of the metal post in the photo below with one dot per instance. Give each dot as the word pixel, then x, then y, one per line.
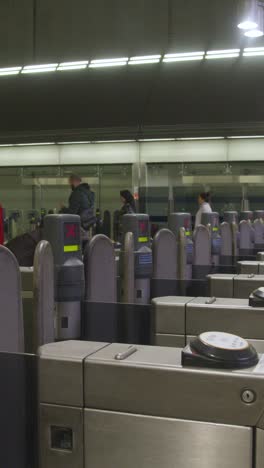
pixel 11 315
pixel 128 288
pixel 43 296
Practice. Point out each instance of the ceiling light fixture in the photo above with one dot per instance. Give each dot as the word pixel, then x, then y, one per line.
pixel 251 16
pixel 72 142
pixel 142 140
pixel 243 137
pixel 10 71
pixel 115 62
pixel 35 144
pixel 144 59
pixel 73 65
pixel 225 53
pixel 201 138
pixel 183 57
pixel 248 14
pixel 40 68
pixel 113 141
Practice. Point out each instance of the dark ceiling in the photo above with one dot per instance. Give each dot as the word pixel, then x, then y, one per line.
pixel 195 98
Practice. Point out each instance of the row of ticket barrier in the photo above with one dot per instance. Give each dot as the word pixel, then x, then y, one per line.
pixel 104 405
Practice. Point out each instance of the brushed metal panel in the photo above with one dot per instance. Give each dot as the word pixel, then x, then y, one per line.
pixel 174 341
pixel 26 278
pixel 259 448
pixel 61 417
pixel 229 315
pixel 221 285
pixel 243 285
pixel 114 440
pixel 151 381
pixel 248 267
pixel 16 32
pixel 61 371
pixel 170 314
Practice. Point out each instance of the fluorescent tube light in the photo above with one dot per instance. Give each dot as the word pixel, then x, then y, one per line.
pixel 184 54
pixel 183 57
pixel 72 142
pixel 244 137
pixel 113 141
pixel 73 65
pixel 107 64
pixel 221 55
pixel 200 138
pixel 253 49
pixel 35 144
pixel 156 139
pixel 253 54
pixel 40 68
pixel 224 51
pixel 122 59
pixel 10 71
pixel 140 62
pixel 116 62
pixel 5 145
pixel 145 57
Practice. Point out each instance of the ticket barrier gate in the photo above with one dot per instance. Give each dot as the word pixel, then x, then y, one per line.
pixel 211 220
pixel 234 286
pixel 258 214
pixel 114 406
pixel 231 217
pixel 249 267
pixel 181 226
pixel 258 226
pixel 178 319
pixel 247 216
pixel 229 244
pixel 246 238
pixel 202 253
pixel 138 225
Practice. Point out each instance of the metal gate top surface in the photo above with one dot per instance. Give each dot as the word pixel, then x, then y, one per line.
pixel 11 313
pixel 224 314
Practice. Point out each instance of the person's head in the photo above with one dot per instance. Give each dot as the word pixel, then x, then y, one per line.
pixel 204 197
pixel 74 181
pixel 127 197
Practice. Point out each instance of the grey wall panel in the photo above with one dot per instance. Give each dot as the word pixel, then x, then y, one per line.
pixel 203 24
pixel 68 30
pixel 16 32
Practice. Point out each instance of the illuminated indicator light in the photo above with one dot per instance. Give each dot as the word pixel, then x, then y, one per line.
pixel 143 239
pixel 215 229
pixel 71 248
pixel 187 233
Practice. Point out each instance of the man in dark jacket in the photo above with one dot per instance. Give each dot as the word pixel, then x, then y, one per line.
pixel 81 201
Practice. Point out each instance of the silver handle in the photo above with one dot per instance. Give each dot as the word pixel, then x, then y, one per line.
pixel 126 354
pixel 211 300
